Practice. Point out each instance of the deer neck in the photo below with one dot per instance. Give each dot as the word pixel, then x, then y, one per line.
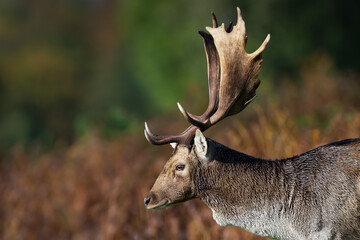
pixel 242 190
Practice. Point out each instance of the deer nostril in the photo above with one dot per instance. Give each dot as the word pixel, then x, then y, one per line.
pixel 147 201
pixel 148 198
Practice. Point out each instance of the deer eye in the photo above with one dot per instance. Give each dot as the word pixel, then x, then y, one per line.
pixel 179 167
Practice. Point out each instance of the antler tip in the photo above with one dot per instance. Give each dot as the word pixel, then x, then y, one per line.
pixel 239 13
pixel 182 110
pixel 262 47
pixel 223 26
pixel 267 39
pixel 145 133
pixel 214 20
pixel 228 29
pixel 147 136
pixel 240 21
pixel 187 116
pixel 146 127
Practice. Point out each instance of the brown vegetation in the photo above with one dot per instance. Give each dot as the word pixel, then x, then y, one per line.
pixel 95 188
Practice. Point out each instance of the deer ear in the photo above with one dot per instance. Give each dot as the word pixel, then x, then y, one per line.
pixel 201 146
pixel 173 145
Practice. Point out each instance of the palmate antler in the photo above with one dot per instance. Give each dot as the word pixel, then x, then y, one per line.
pixel 233 79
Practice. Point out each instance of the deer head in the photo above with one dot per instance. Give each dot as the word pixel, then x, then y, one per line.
pixel 233 80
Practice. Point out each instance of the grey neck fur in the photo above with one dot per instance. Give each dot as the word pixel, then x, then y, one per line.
pixel 296 198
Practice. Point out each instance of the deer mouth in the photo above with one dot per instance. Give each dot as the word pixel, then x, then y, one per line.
pixel 162 204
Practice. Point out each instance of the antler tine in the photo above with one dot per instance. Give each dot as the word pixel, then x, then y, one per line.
pixel 152 138
pixel 262 47
pixel 198 121
pixel 214 20
pixel 228 29
pixel 158 140
pixel 241 25
pixel 185 137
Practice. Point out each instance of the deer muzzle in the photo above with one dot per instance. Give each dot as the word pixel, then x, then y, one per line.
pixel 152 202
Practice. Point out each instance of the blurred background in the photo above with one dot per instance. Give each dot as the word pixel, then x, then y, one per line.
pixel 79 78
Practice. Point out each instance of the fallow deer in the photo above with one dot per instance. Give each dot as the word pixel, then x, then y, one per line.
pixel 314 195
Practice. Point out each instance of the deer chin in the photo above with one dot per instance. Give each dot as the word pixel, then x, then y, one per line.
pixel 162 204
